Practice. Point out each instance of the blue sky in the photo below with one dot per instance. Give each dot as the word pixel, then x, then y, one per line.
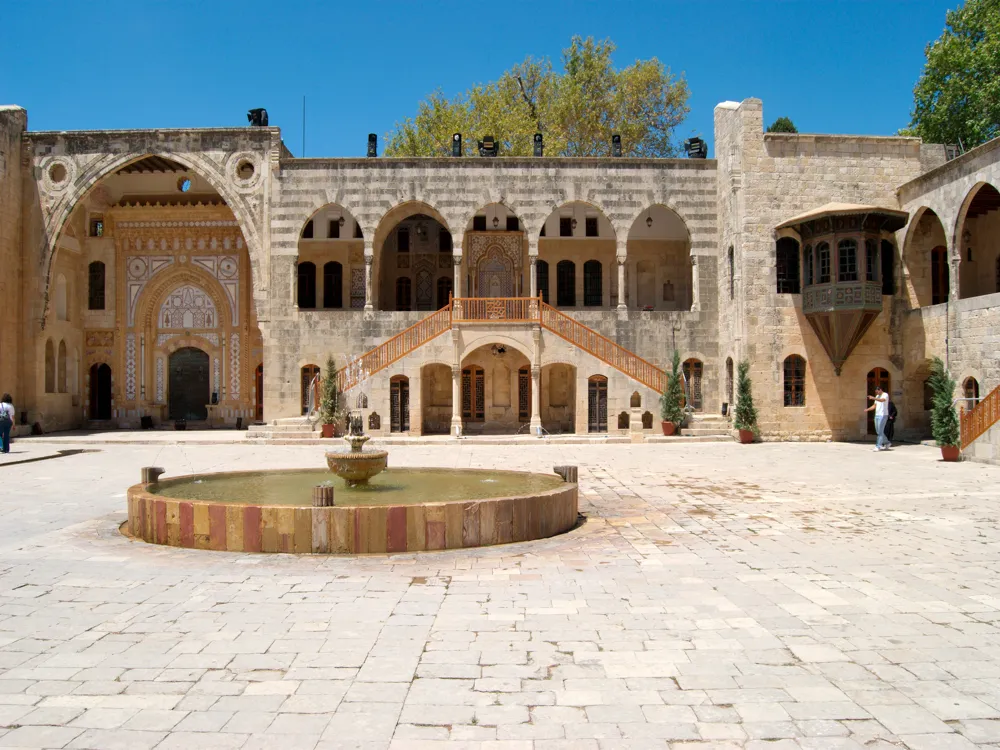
pixel 833 66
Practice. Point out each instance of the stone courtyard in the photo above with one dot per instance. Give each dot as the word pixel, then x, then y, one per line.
pixel 772 597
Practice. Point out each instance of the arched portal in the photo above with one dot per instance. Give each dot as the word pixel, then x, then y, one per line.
pixel 189 386
pixel 413 249
pixel 658 272
pixel 925 258
pixel 574 235
pixel 978 242
pixel 332 242
pixel 100 392
pixel 491 389
pixel 494 253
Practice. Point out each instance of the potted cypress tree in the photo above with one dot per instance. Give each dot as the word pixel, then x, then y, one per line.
pixel 329 403
pixel 944 419
pixel 745 416
pixel 670 402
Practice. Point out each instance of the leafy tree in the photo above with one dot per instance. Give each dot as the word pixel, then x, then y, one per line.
pixel 944 420
pixel 673 397
pixel 745 417
pixel 329 402
pixel 958 94
pixel 782 125
pixel 577 110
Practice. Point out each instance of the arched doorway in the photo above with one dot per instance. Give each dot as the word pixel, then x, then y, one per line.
pixel 189 386
pixel 307 374
pixel 924 272
pixel 413 249
pixel 877 378
pixel 597 404
pixel 100 392
pixel 976 237
pixel 258 380
pixel 658 274
pixel 494 251
pixel 399 404
pixel 693 370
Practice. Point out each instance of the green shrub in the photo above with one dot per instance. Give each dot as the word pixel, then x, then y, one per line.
pixel 673 397
pixel 329 402
pixel 745 416
pixel 944 418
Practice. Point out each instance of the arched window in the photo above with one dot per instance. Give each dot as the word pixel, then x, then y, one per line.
pixel 404 293
pixel 871 260
pixel 310 398
pixel 795 381
pixel 647 420
pixel 50 367
pixel 62 298
pixel 623 420
pixel 566 283
pixel 307 285
pixel 443 290
pixel 939 275
pixel 807 265
pixel 95 286
pixel 692 377
pixel 787 261
pixel 542 279
pixel 732 272
pixel 847 260
pixel 823 261
pixel 61 368
pixel 971 388
pixel 592 284
pixel 888 268
pixel 333 284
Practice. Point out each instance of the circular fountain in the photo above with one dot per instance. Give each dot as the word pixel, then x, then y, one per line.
pixel 356 465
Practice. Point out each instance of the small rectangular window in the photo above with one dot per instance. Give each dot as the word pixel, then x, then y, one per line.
pixel 592 226
pixel 334 233
pixel 478 223
pixel 847 253
pixel 565 226
pixel 513 225
pixel 97 227
pixel 403 240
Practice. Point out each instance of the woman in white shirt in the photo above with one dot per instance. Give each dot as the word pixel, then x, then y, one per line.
pixel 6 422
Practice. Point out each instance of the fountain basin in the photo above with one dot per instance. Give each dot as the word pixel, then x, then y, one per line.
pixel 545 506
pixel 357 467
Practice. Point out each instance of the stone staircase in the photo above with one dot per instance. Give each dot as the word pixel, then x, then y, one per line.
pixel 290 431
pixel 708 425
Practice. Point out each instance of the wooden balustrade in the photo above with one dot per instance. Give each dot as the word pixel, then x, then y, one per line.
pixel 394 349
pixel 603 348
pixel 980 418
pixel 495 309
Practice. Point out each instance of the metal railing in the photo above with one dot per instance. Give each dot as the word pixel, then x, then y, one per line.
pixel 979 418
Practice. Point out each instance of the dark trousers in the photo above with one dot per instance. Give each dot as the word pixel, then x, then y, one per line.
pixel 5 425
pixel 890 429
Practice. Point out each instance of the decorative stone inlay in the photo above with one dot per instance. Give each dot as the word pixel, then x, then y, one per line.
pixel 234 365
pixel 187 307
pixel 357 288
pixel 212 337
pixel 139 270
pixel 99 338
pixel 159 380
pixel 215 374
pixel 130 367
pixel 163 338
pixel 225 269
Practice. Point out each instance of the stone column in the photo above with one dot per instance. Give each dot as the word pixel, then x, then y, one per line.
pixel 533 264
pixel 535 420
pixel 369 261
pixel 457 286
pixel 621 255
pixel 456 401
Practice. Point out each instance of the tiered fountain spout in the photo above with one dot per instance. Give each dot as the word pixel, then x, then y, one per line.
pixel 356 465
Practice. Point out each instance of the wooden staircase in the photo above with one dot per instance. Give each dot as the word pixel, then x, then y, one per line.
pixel 976 421
pixel 514 310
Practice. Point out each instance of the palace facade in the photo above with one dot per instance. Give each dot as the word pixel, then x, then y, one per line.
pixel 205 275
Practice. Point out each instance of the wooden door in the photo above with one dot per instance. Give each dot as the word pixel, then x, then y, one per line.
pixel 524 394
pixel 597 404
pixel 877 378
pixel 473 394
pixel 399 404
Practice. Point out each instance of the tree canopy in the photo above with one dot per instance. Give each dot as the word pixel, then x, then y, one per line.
pixel 782 125
pixel 576 110
pixel 958 94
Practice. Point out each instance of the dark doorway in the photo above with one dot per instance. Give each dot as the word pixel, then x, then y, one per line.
pixel 399 404
pixel 939 276
pixel 597 404
pixel 189 384
pixel 100 392
pixel 524 394
pixel 259 405
pixel 876 378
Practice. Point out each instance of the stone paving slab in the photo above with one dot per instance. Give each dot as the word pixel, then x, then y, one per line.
pixel 718 596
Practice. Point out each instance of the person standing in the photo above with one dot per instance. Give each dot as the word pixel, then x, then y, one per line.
pixel 890 423
pixel 6 422
pixel 881 409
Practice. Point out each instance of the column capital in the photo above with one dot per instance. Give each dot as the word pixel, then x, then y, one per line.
pixel 456 371
pixel 536 371
pixel 622 247
pixel 532 260
pixel 369 247
pixel 621 259
pixel 456 260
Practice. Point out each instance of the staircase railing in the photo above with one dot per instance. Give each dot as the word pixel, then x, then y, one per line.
pixel 603 348
pixel 393 349
pixel 980 418
pixel 495 309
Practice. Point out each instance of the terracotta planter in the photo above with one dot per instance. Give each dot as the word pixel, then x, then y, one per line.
pixel 328 430
pixel 950 452
pixel 746 436
pixel 669 428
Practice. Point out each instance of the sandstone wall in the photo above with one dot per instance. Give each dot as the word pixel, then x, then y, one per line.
pixel 13 122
